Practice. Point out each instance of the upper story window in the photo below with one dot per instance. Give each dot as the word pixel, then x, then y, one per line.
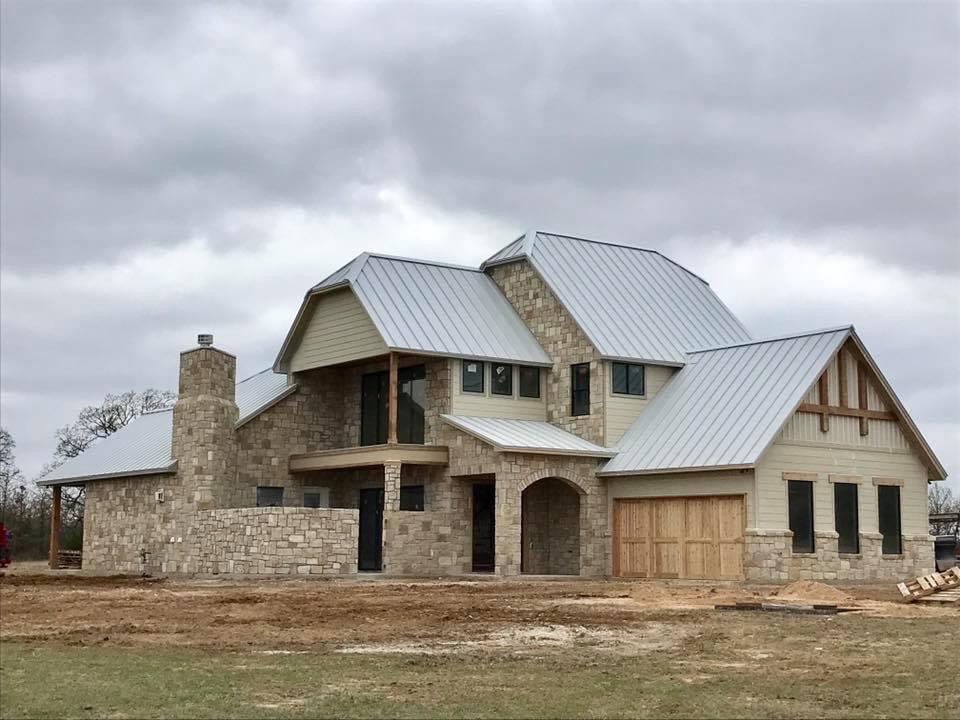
pixel 580 389
pixel 529 381
pixel 501 379
pixel 471 376
pixel 628 379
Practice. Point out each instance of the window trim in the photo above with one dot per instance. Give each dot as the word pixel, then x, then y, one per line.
pixel 627 366
pixel 812 524
pixel 574 390
pixel 493 391
pixel 483 377
pixel 537 369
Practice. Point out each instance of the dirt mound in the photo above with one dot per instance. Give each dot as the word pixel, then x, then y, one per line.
pixel 813 592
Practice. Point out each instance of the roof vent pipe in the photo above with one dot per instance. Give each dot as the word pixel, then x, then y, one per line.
pixel 204 339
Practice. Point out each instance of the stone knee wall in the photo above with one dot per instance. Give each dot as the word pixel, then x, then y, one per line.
pixel 768 555
pixel 550 529
pixel 276 541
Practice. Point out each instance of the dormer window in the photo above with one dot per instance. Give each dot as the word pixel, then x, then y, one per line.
pixel 501 379
pixel 472 376
pixel 628 379
pixel 529 381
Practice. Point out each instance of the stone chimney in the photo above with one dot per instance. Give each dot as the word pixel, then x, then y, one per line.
pixel 204 419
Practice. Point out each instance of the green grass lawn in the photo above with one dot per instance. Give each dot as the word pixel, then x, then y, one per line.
pixel 734 667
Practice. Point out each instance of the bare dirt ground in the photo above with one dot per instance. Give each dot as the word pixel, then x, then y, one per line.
pixel 390 616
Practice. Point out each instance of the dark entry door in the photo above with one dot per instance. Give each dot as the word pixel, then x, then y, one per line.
pixel 483 527
pixel 371 530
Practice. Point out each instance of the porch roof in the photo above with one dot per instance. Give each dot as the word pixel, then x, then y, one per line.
pixel 369 455
pixel 526 436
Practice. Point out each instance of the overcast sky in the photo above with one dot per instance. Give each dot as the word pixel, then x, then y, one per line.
pixel 173 168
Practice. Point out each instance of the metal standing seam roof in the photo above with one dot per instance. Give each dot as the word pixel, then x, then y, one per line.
pixel 725 407
pixel 432 308
pixel 528 436
pixel 630 302
pixel 144 445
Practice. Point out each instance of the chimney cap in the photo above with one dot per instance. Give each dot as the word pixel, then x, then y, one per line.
pixel 205 339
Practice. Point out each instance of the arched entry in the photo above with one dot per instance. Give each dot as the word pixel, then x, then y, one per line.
pixel 550 528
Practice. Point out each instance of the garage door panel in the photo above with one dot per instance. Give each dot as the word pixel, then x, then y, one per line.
pixel 686 537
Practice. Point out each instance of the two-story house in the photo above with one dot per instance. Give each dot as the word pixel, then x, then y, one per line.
pixel 570 407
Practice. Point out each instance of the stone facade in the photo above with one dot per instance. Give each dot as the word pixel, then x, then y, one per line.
pixel 550 536
pixel 768 555
pixel 563 341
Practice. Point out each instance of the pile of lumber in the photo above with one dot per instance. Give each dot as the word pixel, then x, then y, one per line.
pixel 69 559
pixel 935 587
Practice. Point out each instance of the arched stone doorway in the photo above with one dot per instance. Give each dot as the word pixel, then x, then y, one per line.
pixel 550 528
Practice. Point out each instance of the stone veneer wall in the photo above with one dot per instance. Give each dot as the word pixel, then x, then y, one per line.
pixel 563 341
pixel 515 472
pixel 550 510
pixel 768 555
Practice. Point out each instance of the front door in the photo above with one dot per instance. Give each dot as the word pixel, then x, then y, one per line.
pixel 483 527
pixel 370 557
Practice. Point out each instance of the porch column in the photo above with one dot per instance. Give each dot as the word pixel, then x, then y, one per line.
pixel 391 486
pixel 55 528
pixel 392 401
pixel 507 527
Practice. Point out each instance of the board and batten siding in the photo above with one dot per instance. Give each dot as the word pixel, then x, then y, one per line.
pixel 622 410
pixel 339 330
pixel 486 404
pixel 723 482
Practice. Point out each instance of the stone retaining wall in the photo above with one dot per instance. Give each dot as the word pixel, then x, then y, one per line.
pixel 768 555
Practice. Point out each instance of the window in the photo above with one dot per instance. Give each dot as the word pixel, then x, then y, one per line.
pixel 411 497
pixel 800 501
pixel 269 496
pixel 501 379
pixel 627 379
pixel 472 376
pixel 373 408
pixel 316 497
pixel 845 517
pixel 411 400
pixel 580 389
pixel 888 507
pixel 529 381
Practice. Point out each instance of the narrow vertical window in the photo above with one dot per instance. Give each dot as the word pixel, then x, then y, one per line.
pixel 888 507
pixel 800 502
pixel 501 379
pixel 580 389
pixel 472 376
pixel 846 517
pixel 529 381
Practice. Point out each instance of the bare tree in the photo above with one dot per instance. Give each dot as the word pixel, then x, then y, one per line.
pixel 10 475
pixel 940 500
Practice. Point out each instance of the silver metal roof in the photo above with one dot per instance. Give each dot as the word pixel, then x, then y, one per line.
pixel 631 303
pixel 527 436
pixel 433 308
pixel 726 406
pixel 144 446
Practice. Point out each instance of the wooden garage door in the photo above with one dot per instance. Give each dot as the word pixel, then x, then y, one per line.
pixel 685 537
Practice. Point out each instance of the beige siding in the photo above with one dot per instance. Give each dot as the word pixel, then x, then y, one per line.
pixel 338 330
pixel 735 482
pixel 622 410
pixel 823 460
pixel 500 406
pixel 804 428
pixel 875 400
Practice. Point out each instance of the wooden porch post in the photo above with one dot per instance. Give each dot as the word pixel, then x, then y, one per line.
pixel 55 528
pixel 392 401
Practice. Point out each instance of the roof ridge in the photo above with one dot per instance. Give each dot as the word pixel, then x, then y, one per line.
pixel 778 338
pixel 420 261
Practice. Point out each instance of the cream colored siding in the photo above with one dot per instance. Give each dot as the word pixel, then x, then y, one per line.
pixel 622 410
pixel 874 399
pixel 338 330
pixel 727 482
pixel 487 404
pixel 867 464
pixel 805 428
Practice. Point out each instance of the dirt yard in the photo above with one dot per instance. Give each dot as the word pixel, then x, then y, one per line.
pixel 367 632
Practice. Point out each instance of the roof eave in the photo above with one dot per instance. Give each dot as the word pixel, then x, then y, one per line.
pixel 671 470
pixel 266 406
pixel 81 479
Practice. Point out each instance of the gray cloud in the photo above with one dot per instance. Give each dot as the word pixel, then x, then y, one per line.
pixel 132 128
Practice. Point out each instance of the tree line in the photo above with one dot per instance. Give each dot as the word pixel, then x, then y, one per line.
pixel 25 506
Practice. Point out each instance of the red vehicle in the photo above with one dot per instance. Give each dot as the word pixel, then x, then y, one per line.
pixel 4 546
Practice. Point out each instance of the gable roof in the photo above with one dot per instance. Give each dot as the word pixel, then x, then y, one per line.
pixel 725 408
pixel 631 303
pixel 528 436
pixel 430 308
pixel 144 446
